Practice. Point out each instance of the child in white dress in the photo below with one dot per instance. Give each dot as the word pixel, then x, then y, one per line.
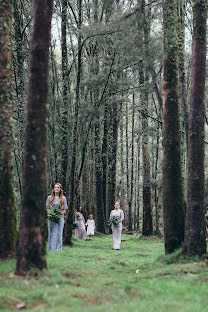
pixel 90 226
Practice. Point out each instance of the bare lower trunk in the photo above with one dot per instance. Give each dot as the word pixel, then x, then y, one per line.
pixel 195 234
pixel 69 223
pixel 8 219
pixel 112 157
pixel 132 165
pixel 64 141
pixel 173 201
pixel 32 237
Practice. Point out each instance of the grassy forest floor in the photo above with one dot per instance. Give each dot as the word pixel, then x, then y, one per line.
pixel 93 277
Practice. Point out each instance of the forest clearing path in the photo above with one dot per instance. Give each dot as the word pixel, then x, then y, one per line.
pixel 93 277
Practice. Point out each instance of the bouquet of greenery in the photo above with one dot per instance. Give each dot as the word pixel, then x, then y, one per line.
pixel 54 214
pixel 114 220
pixel 75 225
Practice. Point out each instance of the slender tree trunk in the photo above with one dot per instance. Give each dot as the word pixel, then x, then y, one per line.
pixel 155 183
pixel 127 165
pixel 132 166
pixel 98 155
pixel 182 76
pixel 147 207
pixel 98 175
pixel 173 201
pixel 183 91
pixel 68 232
pixel 32 237
pixel 85 190
pixel 104 159
pixel 64 141
pixel 138 184
pixel 8 218
pixel 195 234
pixel 156 88
pixel 122 201
pixel 112 157
pixel 20 77
pixel 143 35
pixel 52 120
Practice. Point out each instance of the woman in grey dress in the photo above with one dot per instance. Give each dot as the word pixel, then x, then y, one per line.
pixel 116 229
pixel 55 230
pixel 80 231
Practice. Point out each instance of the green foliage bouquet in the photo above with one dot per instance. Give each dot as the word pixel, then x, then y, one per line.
pixel 75 225
pixel 54 214
pixel 114 220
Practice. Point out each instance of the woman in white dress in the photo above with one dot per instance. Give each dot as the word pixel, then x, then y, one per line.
pixel 116 229
pixel 90 226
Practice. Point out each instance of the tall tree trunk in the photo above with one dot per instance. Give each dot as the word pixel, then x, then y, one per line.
pixel 100 218
pixel 122 201
pixel 157 231
pixel 195 234
pixel 138 184
pixel 112 157
pixel 20 77
pixel 144 30
pixel 104 159
pixel 182 76
pixel 52 120
pixel 132 167
pixel 7 211
pixel 183 91
pixel 32 237
pixel 64 141
pixel 127 164
pixel 173 201
pixel 100 221
pixel 68 232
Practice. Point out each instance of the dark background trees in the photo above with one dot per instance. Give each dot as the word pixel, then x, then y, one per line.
pixel 105 112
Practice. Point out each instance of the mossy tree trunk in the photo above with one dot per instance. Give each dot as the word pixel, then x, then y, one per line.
pixel 173 200
pixel 32 237
pixel 8 230
pixel 195 233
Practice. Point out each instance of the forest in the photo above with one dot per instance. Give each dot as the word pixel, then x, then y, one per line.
pixel 109 99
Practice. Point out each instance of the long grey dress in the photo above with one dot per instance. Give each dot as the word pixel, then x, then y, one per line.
pixel 55 230
pixel 117 229
pixel 80 231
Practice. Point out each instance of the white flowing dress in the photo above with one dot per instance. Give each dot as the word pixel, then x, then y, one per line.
pixel 90 227
pixel 116 229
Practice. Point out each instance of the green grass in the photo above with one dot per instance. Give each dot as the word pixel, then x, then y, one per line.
pixel 93 277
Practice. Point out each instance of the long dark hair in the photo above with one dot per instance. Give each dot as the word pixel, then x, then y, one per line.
pixel 82 211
